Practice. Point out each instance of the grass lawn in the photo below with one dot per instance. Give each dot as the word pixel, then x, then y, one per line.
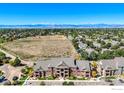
pixel 111 77
pixel 22 79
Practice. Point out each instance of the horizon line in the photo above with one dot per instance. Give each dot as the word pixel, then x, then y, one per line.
pixel 66 24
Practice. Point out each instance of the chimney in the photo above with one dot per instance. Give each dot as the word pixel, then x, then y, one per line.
pixel 75 63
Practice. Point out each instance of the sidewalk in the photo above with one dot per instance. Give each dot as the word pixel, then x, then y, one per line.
pixel 60 82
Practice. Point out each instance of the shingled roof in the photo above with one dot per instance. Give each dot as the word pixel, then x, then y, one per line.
pixel 113 63
pixel 81 64
pixel 56 62
pixel 109 63
pixel 119 61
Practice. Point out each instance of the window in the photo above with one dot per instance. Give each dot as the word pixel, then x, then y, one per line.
pixel 62 74
pixel 66 75
pixel 62 69
pixel 107 70
pixel 87 72
pixel 37 75
pixel 66 71
pixel 107 74
pixel 57 75
pixel 87 75
pixel 66 68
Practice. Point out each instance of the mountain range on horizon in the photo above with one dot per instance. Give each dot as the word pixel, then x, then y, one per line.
pixel 64 26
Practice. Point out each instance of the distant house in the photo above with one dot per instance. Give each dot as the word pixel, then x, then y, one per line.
pixel 98 45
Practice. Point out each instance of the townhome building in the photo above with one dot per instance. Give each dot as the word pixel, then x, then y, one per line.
pixel 112 67
pixel 61 68
pixel 66 67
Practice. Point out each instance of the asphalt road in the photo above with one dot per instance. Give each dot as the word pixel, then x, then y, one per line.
pixel 59 82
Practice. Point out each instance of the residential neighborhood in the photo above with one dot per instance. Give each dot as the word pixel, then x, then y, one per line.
pixel 62 57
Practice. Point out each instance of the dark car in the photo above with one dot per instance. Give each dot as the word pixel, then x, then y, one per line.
pixel 111 84
pixel 2 78
pixel 121 80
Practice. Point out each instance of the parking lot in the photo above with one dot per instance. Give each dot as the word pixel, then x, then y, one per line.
pixel 10 71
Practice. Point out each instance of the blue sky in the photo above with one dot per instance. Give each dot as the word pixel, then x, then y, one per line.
pixel 61 13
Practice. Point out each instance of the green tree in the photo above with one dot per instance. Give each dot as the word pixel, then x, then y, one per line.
pixel 84 54
pixel 2 56
pixel 115 47
pixel 107 55
pixel 108 45
pixel 16 62
pixel 93 56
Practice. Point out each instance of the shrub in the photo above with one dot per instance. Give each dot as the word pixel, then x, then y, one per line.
pixel 65 83
pixel 1 73
pixel 42 83
pixel 50 78
pixel 16 62
pixel 41 78
pixel 23 77
pixel 83 78
pixel 2 55
pixel 27 70
pixel 72 78
pixel 68 83
pixel 115 47
pixel 16 83
pixel 111 77
pixel 15 78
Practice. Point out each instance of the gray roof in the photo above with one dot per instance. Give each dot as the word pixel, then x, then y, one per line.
pixel 53 62
pixel 107 64
pixel 114 63
pixel 61 62
pixel 39 68
pixel 119 61
pixel 83 64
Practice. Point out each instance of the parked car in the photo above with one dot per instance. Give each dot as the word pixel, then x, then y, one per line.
pixel 111 84
pixel 2 78
pixel 121 80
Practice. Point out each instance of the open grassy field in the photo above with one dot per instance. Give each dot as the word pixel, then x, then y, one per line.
pixel 40 47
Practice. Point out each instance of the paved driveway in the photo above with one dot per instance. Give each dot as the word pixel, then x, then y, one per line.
pixel 10 71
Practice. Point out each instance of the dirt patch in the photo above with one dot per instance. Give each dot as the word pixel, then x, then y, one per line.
pixel 41 46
